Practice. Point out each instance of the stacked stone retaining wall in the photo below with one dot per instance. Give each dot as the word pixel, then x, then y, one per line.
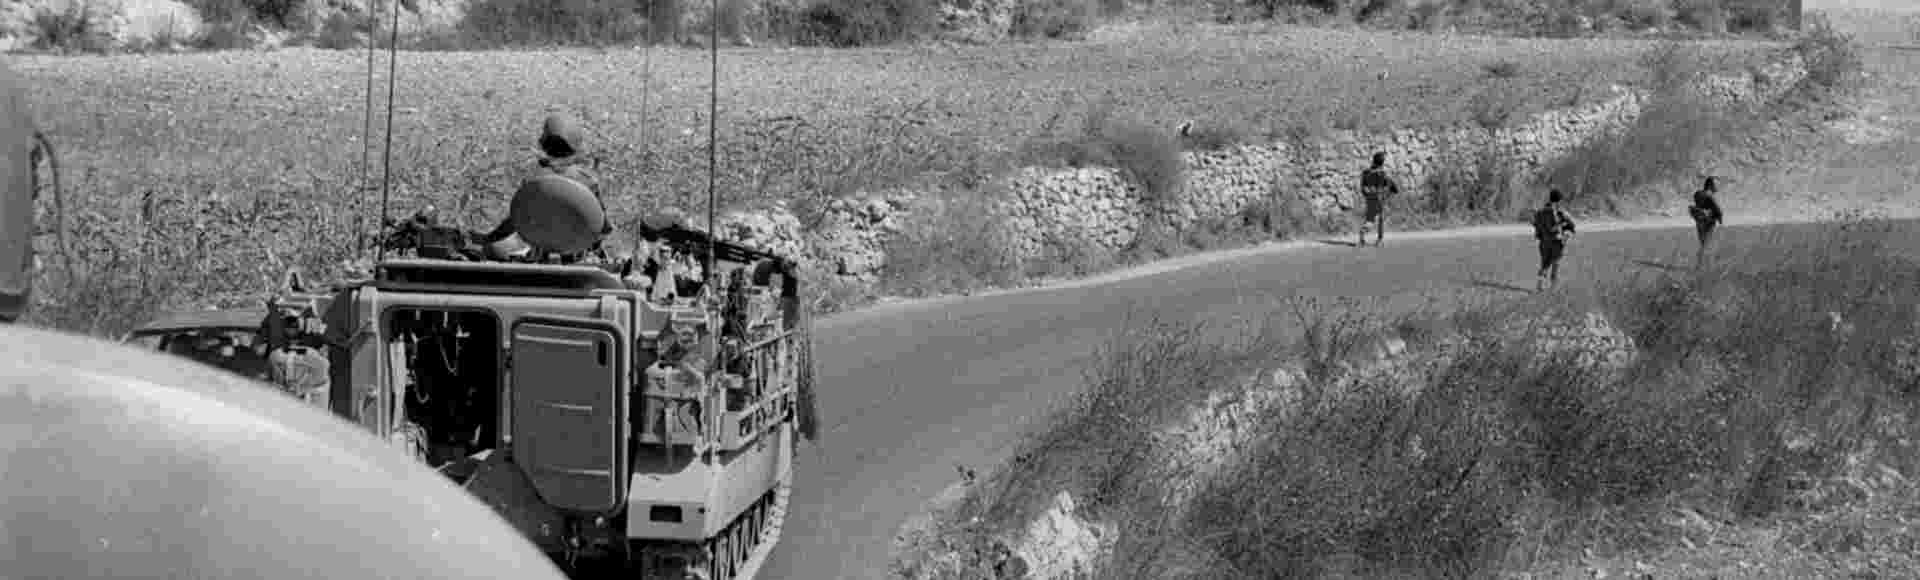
pixel 1100 207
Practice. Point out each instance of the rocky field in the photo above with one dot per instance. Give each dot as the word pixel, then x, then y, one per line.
pixel 267 146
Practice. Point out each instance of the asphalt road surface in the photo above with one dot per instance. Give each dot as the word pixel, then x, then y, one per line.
pixel 908 391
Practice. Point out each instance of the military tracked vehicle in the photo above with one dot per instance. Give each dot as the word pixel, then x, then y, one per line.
pixel 636 416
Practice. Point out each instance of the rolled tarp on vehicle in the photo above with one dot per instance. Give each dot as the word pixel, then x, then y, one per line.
pixel 557 214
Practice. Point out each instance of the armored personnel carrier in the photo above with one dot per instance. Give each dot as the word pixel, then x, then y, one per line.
pixel 637 416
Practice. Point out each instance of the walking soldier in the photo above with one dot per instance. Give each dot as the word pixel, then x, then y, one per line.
pixel 1706 213
pixel 1552 227
pixel 1375 188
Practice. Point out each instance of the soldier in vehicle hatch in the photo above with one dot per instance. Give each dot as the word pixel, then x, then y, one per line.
pixel 560 141
pixel 1375 188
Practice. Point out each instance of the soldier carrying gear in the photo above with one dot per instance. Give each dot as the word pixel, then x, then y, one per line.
pixel 560 141
pixel 1375 188
pixel 1706 216
pixel 1552 227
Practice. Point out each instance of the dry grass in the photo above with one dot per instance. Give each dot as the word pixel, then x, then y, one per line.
pixel 1748 404
pixel 801 125
pixel 1555 18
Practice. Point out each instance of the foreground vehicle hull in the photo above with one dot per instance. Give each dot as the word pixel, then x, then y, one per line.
pixel 123 463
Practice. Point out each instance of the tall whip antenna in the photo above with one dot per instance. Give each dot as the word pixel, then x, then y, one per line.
pixel 386 155
pixel 366 129
pixel 713 141
pixel 646 91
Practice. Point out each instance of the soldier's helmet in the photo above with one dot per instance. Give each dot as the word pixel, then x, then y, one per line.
pixel 554 213
pixel 561 136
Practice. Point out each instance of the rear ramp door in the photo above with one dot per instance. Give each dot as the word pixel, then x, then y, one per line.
pixel 569 415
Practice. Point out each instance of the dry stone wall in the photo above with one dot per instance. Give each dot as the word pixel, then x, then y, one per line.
pixel 1098 206
pixel 1065 206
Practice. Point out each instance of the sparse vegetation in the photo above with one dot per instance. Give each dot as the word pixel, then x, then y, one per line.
pixel 1055 19
pixel 1148 156
pixel 518 23
pixel 958 247
pixel 786 135
pixel 75 25
pixel 1769 390
pixel 852 23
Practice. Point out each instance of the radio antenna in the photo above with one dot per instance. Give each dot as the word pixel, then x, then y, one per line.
pixel 366 129
pixel 386 161
pixel 713 142
pixel 646 98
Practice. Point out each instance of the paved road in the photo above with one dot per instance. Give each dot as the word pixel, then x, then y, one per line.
pixel 910 391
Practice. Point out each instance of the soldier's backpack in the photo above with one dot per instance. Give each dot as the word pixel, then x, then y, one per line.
pixel 301 372
pixel 1548 224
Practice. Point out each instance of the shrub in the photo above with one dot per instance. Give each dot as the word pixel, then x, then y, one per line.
pixel 1154 240
pixel 1281 215
pixel 1483 189
pixel 732 18
pixel 1529 17
pixel 237 14
pixel 1670 136
pixel 1832 57
pixel 1706 15
pixel 1756 15
pixel 1496 106
pixel 89 25
pixel 1097 444
pixel 1745 385
pixel 1149 156
pixel 1641 14
pixel 1211 137
pixel 1071 258
pixel 227 36
pixel 1289 9
pixel 1671 67
pixel 73 27
pixel 663 21
pixel 1504 69
pixel 502 23
pixel 959 246
pixel 850 23
pixel 340 31
pixel 812 165
pixel 1055 19
pixel 1667 140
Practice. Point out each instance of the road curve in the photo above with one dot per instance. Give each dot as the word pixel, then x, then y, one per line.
pixel 908 391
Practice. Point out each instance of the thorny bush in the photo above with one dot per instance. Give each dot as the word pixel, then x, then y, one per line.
pixel 1797 361
pixel 1755 374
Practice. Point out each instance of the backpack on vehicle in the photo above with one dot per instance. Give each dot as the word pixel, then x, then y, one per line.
pixel 1547 224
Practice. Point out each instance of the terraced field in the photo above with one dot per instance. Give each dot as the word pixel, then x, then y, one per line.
pixel 246 121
